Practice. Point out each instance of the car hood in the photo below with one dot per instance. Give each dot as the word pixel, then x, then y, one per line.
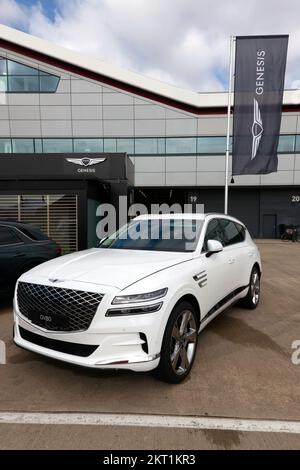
pixel 104 266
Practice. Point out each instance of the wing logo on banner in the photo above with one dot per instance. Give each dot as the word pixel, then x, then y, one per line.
pixel 257 129
pixel 86 161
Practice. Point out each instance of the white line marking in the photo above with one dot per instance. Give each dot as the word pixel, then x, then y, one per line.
pixel 153 421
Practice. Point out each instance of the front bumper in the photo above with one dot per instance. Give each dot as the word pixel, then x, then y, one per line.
pixel 131 342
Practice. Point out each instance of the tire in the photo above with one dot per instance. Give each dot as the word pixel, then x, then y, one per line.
pixel 183 342
pixel 251 300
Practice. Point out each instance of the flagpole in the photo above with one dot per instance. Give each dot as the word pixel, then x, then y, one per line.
pixel 231 63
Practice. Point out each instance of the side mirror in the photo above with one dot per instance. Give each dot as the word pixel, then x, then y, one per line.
pixel 213 246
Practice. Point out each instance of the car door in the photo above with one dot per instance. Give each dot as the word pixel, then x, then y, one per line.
pixel 234 243
pixel 11 256
pixel 217 269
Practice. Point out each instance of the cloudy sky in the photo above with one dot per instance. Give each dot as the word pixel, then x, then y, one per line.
pixel 183 42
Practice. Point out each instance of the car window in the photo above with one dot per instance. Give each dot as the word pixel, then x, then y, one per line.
pixel 241 230
pixel 213 232
pixel 8 237
pixel 230 232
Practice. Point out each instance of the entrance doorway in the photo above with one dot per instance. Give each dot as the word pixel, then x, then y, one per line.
pixel 269 226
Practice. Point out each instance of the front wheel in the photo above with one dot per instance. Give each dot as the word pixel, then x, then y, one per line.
pixel 179 344
pixel 252 298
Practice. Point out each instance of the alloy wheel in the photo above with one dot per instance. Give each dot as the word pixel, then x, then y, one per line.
pixel 255 287
pixel 183 342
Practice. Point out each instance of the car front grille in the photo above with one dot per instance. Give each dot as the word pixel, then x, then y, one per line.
pixel 56 308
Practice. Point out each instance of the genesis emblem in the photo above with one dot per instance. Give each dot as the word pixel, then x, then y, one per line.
pixel 257 129
pixel 85 161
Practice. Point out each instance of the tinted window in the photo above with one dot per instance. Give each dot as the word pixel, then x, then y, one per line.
pixel 8 237
pixel 286 143
pixel 110 145
pixel 21 78
pixel 22 146
pixel 57 145
pixel 242 231
pixel 15 68
pixel 181 145
pixel 48 83
pixel 125 145
pixel 88 145
pixel 211 145
pixel 5 146
pixel 213 232
pixel 3 84
pixel 230 232
pixel 145 146
pixel 24 84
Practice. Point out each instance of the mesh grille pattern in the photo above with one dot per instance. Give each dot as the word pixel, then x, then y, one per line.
pixel 57 309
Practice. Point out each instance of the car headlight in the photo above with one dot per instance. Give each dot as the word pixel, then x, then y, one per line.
pixel 141 310
pixel 130 299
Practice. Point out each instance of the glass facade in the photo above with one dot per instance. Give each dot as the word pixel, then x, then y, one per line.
pixel 181 145
pixel 20 78
pixel 214 145
pixel 286 143
pixel 57 145
pixel 210 145
pixel 88 145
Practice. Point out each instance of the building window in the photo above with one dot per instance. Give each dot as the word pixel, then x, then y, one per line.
pixel 57 146
pixel 139 146
pixel 286 144
pixel 5 146
pixel 110 145
pixel 181 145
pixel 38 146
pixel 211 145
pixel 125 145
pixel 22 146
pixel 146 146
pixel 20 78
pixel 88 145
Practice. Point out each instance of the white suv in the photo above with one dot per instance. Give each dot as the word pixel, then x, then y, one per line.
pixel 139 300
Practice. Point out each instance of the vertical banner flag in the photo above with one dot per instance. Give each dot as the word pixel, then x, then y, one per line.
pixel 259 83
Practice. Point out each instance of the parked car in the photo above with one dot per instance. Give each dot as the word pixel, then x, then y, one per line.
pixel 139 300
pixel 22 246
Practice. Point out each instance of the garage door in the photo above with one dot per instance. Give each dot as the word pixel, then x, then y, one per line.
pixel 55 214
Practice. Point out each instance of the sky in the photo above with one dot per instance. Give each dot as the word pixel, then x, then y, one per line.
pixel 182 42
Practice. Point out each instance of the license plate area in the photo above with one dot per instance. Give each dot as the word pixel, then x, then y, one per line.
pixel 49 321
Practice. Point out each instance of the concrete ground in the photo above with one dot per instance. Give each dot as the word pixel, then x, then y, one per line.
pixel 243 369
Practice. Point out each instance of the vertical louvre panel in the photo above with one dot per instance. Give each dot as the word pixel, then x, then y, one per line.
pixel 63 220
pixel 55 214
pixel 33 209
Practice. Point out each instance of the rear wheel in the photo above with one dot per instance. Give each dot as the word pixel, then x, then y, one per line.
pixel 179 344
pixel 252 298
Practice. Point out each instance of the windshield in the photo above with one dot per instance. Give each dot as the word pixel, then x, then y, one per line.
pixel 156 235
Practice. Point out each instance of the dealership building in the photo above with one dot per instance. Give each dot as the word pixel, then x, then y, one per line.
pixel 76 132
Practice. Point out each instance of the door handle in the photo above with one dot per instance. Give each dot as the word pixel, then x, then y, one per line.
pixel 19 255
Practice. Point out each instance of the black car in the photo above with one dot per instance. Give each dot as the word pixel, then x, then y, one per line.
pixel 22 246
